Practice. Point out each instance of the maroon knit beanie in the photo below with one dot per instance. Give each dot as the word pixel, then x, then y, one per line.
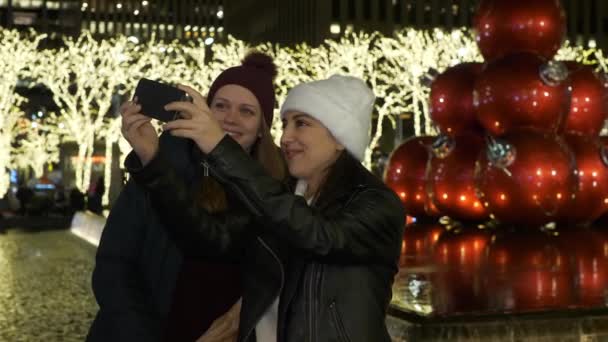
pixel 256 73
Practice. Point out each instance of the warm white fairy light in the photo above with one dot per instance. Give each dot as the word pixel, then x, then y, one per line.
pixel 17 54
pixel 38 146
pixel 8 130
pixel 85 74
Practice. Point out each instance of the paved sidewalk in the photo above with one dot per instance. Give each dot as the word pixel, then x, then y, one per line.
pixel 45 291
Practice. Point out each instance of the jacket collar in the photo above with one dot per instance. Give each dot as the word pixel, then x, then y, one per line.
pixel 347 176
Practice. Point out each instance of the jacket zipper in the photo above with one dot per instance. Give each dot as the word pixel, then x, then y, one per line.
pixel 338 323
pixel 280 288
pixel 209 169
pixel 313 299
pixel 205 168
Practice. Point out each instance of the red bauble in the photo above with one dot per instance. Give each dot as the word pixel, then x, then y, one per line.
pixel 589 102
pixel 528 271
pixel 507 26
pixel 406 174
pixel 418 243
pixel 526 178
pixel 452 99
pixel 590 200
pixel 452 177
pixel 521 90
pixel 459 255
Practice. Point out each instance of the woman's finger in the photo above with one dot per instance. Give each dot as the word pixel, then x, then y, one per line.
pixel 219 332
pixel 129 109
pixel 185 115
pixel 137 124
pixel 183 133
pixel 197 98
pixel 184 107
pixel 179 124
pixel 128 120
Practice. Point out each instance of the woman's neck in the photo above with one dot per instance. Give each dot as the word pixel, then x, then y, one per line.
pixel 313 183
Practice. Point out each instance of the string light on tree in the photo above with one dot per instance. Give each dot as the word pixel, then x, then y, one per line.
pixel 18 53
pixel 38 145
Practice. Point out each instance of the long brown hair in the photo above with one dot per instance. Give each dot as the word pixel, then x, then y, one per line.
pixel 212 196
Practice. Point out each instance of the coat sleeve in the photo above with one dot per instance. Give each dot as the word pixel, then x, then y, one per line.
pixel 124 314
pixel 369 229
pixel 195 231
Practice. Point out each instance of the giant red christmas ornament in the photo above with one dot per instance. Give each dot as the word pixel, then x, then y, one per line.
pixel 590 200
pixel 418 242
pixel 528 271
pixel 521 90
pixel 506 26
pixel 589 101
pixel 526 178
pixel 452 99
pixel 452 177
pixel 406 174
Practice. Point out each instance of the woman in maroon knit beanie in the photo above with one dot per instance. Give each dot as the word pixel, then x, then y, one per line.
pixel 206 289
pixel 145 295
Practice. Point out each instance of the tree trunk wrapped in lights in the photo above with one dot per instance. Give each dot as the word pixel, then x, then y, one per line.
pixel 16 56
pixel 38 145
pixel 8 131
pixel 83 75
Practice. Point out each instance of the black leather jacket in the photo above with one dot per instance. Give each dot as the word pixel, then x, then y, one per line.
pixel 332 264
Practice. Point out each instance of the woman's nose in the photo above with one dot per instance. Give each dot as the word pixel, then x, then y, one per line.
pixel 287 136
pixel 230 116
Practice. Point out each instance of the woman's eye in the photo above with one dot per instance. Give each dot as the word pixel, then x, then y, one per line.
pixel 301 123
pixel 219 106
pixel 247 112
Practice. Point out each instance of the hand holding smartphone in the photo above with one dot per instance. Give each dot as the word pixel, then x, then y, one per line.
pixel 153 96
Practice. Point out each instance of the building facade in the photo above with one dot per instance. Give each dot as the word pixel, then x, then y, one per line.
pixel 282 21
pixel 312 21
pixel 165 19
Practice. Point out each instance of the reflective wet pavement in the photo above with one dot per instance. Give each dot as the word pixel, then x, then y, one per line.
pixel 476 283
pixel 45 291
pixel 45 295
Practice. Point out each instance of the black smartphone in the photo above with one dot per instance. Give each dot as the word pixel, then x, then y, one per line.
pixel 153 96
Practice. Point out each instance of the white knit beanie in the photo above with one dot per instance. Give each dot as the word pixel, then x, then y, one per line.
pixel 342 103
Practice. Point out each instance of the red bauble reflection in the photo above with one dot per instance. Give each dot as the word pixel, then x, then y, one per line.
pixel 590 200
pixel 459 255
pixel 588 251
pixel 528 271
pixel 418 243
pixel 406 174
pixel 506 26
pixel 452 99
pixel 511 93
pixel 461 248
pixel 452 178
pixel 526 178
pixel 588 105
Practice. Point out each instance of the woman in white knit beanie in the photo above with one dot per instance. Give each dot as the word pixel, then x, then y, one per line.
pixel 323 267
